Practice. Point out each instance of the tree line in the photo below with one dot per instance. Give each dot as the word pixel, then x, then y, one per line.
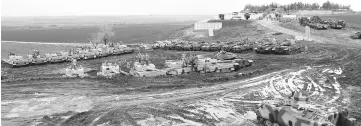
pixel 298 6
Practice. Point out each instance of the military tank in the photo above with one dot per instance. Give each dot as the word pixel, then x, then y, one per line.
pixel 223 55
pixel 265 48
pixel 206 47
pixel 75 70
pixel 187 47
pixel 356 35
pixel 109 70
pixel 17 61
pixel 73 54
pixel 197 46
pixel 177 67
pixel 215 47
pixel 296 111
pixel 207 65
pixel 36 59
pixel 144 68
pixel 287 46
pixel 55 57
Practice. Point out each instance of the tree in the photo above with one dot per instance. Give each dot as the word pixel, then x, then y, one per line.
pixel 327 5
pixel 104 35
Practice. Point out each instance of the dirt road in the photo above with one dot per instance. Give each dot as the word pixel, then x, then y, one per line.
pixel 319 39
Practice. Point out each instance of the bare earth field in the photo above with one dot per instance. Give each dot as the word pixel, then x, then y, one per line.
pixel 194 99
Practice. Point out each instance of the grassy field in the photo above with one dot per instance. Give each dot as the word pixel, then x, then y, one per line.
pixel 129 29
pixel 125 33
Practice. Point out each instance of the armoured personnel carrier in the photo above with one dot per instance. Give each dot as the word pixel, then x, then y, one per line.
pixel 16 61
pixel 109 70
pixel 296 111
pixel 75 70
pixel 356 35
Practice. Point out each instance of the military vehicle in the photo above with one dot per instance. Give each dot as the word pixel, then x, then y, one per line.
pixel 36 59
pixel 108 70
pixel 265 45
pixel 206 47
pixel 73 54
pixel 87 54
pixel 215 47
pixel 241 48
pixel 287 46
pixel 265 48
pixel 177 67
pixel 16 61
pixel 206 65
pixel 197 46
pixel 336 24
pixel 75 70
pixel 55 57
pixel 356 35
pixel 228 46
pixel 223 55
pixel 146 70
pixel 188 47
pixel 296 111
pixel 170 46
pixel 179 46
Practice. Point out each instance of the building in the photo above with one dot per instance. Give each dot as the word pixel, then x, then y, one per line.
pixel 205 25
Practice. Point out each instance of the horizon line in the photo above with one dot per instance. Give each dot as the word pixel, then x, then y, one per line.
pixel 112 15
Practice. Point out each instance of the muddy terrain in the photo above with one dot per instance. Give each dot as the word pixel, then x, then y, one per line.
pixel 38 95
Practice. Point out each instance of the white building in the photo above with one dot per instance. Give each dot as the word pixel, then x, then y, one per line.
pixel 205 25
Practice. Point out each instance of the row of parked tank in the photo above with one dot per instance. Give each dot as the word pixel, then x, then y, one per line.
pixel 316 22
pixel 142 67
pixel 79 53
pixel 266 45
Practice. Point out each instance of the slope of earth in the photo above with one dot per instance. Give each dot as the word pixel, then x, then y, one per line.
pixel 186 99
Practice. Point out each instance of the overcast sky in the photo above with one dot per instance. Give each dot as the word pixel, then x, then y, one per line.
pixel 137 7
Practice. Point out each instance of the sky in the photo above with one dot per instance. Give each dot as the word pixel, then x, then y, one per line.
pixel 138 7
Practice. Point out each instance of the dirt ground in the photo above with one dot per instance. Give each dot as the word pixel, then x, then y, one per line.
pixel 187 99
